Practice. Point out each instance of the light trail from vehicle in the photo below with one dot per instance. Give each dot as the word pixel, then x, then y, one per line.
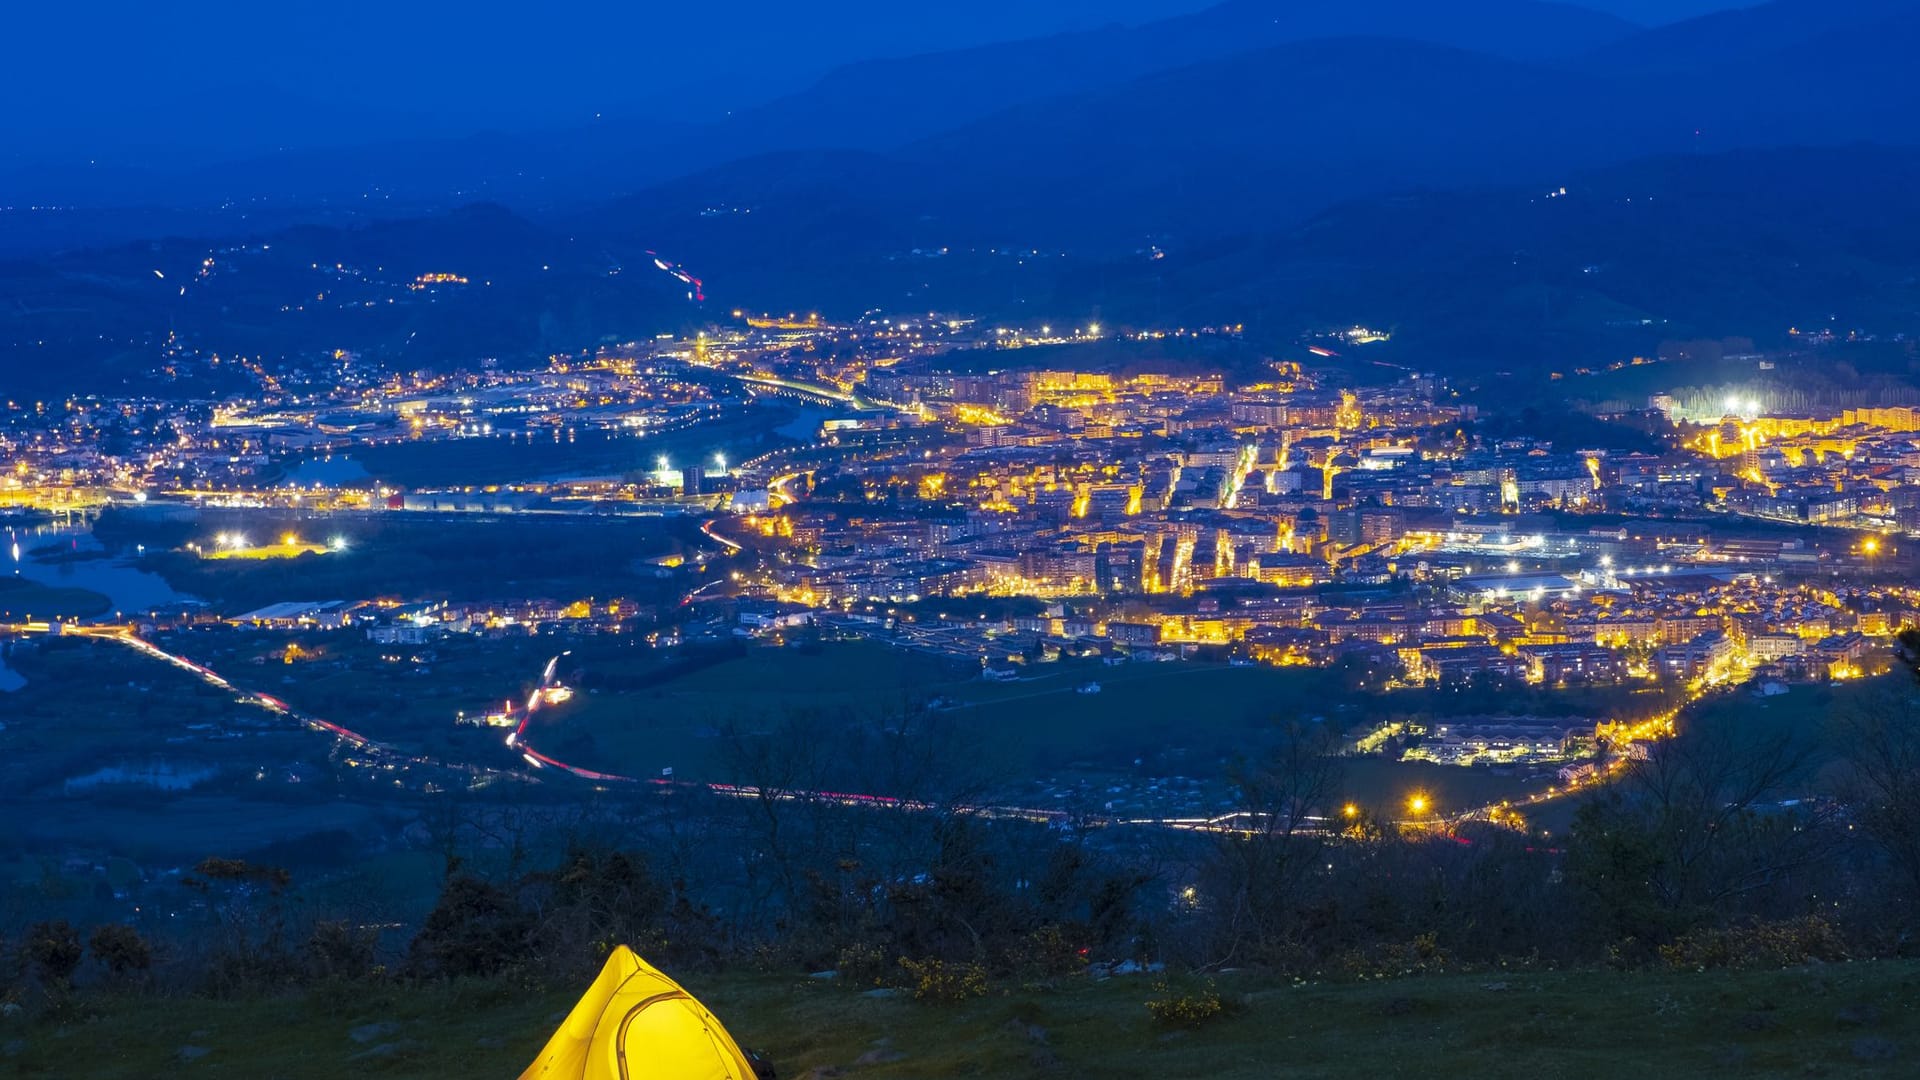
pixel 1243 823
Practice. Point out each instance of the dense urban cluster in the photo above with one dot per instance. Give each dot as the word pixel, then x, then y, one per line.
pixel 1156 491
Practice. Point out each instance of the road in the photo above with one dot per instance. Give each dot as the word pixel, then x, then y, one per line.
pixel 372 748
pixel 827 394
pixel 1502 813
pixel 706 528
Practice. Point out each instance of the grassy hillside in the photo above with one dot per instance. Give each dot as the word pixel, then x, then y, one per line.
pixel 1849 1020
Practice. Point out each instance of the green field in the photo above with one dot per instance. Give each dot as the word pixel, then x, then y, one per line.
pixel 20 598
pixel 1037 722
pixel 400 694
pixel 540 455
pixel 406 555
pixel 1804 711
pixel 1852 1020
pixel 1191 719
pixel 87 703
pixel 637 711
pixel 120 758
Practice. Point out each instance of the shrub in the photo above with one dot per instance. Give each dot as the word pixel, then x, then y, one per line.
pixel 120 949
pixel 939 981
pixel 864 964
pixel 1757 945
pixel 241 872
pixel 54 950
pixel 1047 951
pixel 475 929
pixel 336 949
pixel 1186 1010
pixel 1420 956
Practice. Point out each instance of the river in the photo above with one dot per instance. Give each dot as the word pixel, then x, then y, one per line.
pixel 90 566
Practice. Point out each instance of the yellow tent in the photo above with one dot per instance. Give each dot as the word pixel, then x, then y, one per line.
pixel 637 1024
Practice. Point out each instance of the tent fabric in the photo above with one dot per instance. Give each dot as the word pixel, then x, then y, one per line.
pixel 634 1023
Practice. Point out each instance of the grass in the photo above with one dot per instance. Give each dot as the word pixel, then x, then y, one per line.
pixel 1040 720
pixel 380 689
pixel 1806 710
pixel 20 598
pixel 87 703
pixel 409 556
pixel 1189 718
pixel 674 723
pixel 540 455
pixel 635 715
pixel 285 550
pixel 1838 1020
pixel 1039 717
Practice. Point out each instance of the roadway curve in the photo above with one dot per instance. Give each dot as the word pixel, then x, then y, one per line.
pixel 1235 822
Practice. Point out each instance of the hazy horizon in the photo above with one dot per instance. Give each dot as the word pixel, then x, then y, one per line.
pixel 225 80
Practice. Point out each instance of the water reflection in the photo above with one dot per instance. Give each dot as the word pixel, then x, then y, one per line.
pixel 70 557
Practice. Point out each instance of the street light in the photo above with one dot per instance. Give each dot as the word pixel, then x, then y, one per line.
pixel 1418 803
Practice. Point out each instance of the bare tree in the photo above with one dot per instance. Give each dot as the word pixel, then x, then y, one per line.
pixel 1278 836
pixel 1880 742
pixel 1709 827
pixel 781 773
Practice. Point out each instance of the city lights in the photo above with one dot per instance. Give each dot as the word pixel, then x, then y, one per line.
pixel 1466 536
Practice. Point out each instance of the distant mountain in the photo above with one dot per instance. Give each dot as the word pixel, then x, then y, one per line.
pixel 1267 136
pixel 97 321
pixel 1261 139
pixel 1749 243
pixel 1279 177
pixel 1470 279
pixel 1663 12
pixel 1506 277
pixel 875 105
pixel 1742 35
pixel 1244 143
pixel 885 103
pixel 1850 81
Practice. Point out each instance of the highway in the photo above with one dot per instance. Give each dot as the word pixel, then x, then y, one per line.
pixel 124 635
pixel 1243 823
pixel 706 527
pixel 1238 822
pixel 823 394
